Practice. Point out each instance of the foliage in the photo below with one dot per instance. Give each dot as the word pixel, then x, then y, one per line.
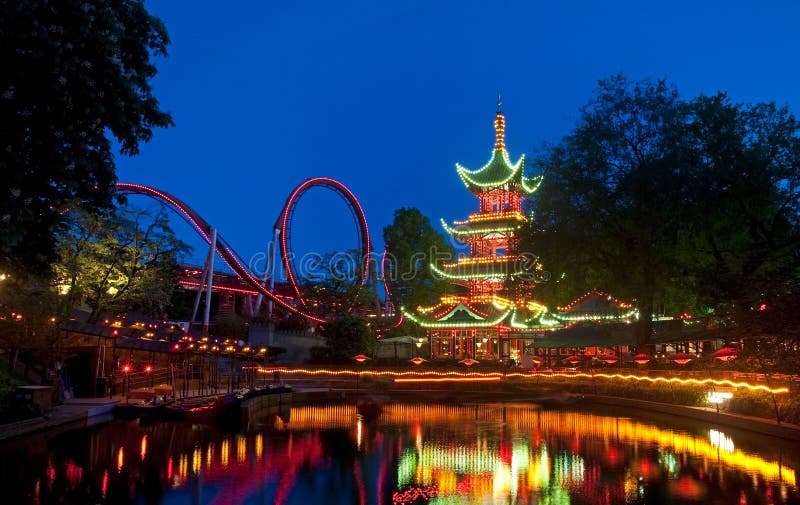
pixel 332 285
pixel 679 206
pixel 29 315
pixel 609 207
pixel 74 72
pixel 119 262
pixel 412 245
pixel 231 326
pixel 347 337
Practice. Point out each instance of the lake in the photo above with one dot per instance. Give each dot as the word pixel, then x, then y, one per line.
pixel 412 454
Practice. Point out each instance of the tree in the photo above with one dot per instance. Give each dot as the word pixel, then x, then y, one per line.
pixel 678 205
pixel 609 209
pixel 411 246
pixel 332 288
pixel 348 336
pixel 75 73
pixel 741 243
pixel 125 261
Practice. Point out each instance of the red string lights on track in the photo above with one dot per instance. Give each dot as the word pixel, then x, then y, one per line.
pixel 203 228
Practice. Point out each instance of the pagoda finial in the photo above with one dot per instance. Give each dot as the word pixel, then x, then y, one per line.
pixel 499 127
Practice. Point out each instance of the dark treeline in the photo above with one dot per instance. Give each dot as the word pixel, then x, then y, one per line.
pixel 683 205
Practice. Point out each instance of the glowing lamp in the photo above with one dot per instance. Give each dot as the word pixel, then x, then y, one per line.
pixel 418 360
pixel 609 359
pixel 725 353
pixel 148 368
pixel 719 396
pixel 641 359
pixel 469 361
pixel 682 358
pixel 126 368
pixel 360 358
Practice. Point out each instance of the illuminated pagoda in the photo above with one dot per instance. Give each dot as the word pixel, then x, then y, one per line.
pixel 495 280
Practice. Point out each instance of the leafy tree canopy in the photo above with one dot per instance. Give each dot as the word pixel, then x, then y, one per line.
pixel 347 337
pixel 678 205
pixel 76 73
pixel 412 245
pixel 126 261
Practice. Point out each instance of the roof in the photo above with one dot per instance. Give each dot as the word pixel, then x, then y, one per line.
pixel 497 172
pixel 496 269
pixel 480 315
pixel 596 305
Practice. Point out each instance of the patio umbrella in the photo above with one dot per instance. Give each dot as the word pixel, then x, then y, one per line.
pixel 682 358
pixel 572 360
pixel 469 361
pixel 642 359
pixel 609 358
pixel 418 361
pixel 725 353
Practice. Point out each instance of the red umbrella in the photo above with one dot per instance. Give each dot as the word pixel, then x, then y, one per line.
pixel 609 358
pixel 469 361
pixel 642 359
pixel 682 358
pixel 573 360
pixel 537 360
pixel 725 353
pixel 418 360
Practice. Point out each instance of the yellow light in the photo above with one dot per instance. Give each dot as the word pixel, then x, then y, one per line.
pixel 143 448
pixel 451 379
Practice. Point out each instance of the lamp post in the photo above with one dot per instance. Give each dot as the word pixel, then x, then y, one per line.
pixel 126 369
pixel 360 358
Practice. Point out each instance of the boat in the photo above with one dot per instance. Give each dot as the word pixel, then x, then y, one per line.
pixel 207 409
pixel 226 408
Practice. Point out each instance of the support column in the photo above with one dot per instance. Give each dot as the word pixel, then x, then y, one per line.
pixel 211 252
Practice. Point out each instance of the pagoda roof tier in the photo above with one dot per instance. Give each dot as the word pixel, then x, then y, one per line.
pixel 502 226
pixel 459 312
pixel 498 172
pixel 481 269
pixel 505 216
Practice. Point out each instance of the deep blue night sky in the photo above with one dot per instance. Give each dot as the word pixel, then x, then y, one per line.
pixel 387 96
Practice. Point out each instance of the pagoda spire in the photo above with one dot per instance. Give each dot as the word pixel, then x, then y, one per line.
pixel 499 127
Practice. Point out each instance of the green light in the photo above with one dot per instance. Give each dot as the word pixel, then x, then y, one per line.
pixel 508 171
pixel 478 231
pixel 476 275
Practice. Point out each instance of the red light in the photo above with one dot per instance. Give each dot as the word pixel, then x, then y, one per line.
pixel 148 369
pixel 126 368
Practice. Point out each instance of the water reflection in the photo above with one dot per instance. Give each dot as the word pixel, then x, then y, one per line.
pixel 486 453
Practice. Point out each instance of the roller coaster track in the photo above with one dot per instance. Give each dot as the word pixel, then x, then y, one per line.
pixel 235 262
pixel 284 224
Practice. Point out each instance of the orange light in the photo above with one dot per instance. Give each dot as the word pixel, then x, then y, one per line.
pixel 450 379
pixel 360 358
pixel 418 360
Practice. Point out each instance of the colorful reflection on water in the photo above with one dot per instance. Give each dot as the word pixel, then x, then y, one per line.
pixel 488 453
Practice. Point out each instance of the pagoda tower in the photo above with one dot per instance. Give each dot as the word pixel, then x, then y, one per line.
pixel 495 277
